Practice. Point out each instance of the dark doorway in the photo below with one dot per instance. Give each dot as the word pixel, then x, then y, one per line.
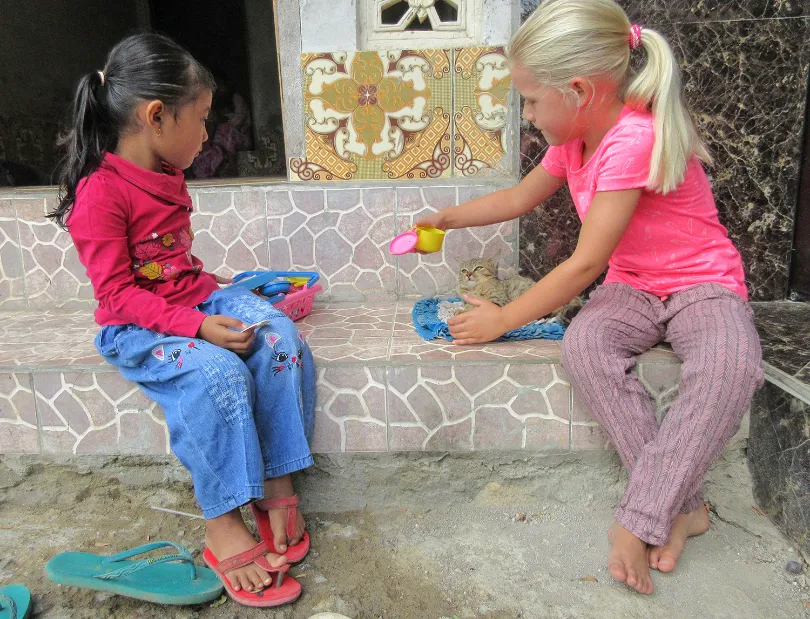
pixel 245 130
pixel 46 47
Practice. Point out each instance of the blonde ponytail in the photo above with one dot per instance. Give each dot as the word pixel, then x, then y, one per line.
pixel 565 39
pixel 657 88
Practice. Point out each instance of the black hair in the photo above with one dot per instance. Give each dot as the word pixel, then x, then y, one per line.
pixel 145 66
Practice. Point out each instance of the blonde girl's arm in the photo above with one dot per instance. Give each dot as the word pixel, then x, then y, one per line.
pixel 503 205
pixel 607 219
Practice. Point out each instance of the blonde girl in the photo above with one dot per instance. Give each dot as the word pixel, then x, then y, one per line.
pixel 626 145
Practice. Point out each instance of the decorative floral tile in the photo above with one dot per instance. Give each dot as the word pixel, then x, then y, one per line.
pixel 481 85
pixel 376 115
pixel 465 407
pixel 18 419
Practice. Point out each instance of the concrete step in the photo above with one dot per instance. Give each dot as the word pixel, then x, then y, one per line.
pixel 381 388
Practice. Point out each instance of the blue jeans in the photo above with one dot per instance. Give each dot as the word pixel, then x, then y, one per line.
pixel 233 420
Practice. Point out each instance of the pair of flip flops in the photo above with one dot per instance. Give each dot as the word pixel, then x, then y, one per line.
pixel 173 578
pixel 282 590
pixel 15 602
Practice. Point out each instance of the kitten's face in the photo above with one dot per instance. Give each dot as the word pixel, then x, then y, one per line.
pixel 473 272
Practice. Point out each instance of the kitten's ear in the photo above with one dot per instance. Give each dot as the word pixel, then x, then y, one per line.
pixel 494 256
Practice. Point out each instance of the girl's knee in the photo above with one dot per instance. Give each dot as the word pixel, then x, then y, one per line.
pixel 282 340
pixel 749 372
pixel 228 385
pixel 577 344
pixel 745 364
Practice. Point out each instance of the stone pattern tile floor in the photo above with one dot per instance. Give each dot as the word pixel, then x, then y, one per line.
pixel 380 388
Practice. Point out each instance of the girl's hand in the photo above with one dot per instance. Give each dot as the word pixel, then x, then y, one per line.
pixel 437 220
pixel 222 281
pixel 483 324
pixel 219 330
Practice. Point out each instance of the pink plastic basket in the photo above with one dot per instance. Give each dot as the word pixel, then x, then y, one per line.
pixel 298 304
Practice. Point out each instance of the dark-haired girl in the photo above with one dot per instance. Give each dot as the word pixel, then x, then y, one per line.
pixel 239 404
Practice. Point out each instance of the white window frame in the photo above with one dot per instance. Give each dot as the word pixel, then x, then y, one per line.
pixel 466 30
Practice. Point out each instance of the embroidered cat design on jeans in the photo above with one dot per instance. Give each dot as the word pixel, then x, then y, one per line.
pixel 284 360
pixel 176 355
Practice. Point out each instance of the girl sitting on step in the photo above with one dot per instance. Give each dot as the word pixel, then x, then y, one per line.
pixel 626 145
pixel 239 402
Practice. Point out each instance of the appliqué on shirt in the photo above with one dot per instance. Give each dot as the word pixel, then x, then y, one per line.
pixel 147 250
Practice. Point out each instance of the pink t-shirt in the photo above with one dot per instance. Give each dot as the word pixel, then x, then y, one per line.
pixel 674 241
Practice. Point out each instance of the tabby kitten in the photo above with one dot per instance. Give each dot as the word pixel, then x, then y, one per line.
pixel 479 278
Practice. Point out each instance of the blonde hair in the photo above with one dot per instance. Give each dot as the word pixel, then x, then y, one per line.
pixel 564 39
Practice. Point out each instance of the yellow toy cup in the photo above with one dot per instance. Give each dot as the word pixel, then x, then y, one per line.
pixel 429 239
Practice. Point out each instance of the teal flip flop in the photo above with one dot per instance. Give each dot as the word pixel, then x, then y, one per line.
pixel 168 579
pixel 15 602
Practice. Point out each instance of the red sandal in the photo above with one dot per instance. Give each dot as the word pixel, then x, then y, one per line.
pixel 295 554
pixel 283 590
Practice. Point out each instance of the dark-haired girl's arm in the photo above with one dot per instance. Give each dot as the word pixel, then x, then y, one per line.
pixel 98 226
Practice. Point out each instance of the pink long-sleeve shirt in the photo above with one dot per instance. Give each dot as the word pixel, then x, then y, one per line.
pixel 132 230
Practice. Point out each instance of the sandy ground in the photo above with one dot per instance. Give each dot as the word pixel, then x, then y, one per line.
pixel 411 537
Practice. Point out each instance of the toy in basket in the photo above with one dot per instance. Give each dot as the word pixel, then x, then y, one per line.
pixel 291 292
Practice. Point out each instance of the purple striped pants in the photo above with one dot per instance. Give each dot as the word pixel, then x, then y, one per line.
pixel 712 331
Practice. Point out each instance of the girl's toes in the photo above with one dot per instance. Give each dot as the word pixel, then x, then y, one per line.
pixel 257 578
pixel 237 582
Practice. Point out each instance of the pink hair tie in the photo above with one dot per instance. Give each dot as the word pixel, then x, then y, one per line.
pixel 634 37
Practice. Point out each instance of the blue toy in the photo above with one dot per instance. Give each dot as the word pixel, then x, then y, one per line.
pixel 274 284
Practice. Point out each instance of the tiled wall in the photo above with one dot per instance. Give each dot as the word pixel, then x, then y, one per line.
pixel 745 72
pixel 343 233
pixel 394 115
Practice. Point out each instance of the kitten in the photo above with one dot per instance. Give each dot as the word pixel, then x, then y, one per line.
pixel 479 278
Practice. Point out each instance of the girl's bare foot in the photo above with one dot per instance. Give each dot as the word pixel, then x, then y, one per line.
pixel 275 488
pixel 627 561
pixel 227 536
pixel 664 558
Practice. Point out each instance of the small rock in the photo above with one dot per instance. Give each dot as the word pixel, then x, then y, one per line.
pixel 793 567
pixel 320 579
pixel 521 517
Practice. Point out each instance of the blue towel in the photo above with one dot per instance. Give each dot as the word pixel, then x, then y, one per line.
pixel 429 326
